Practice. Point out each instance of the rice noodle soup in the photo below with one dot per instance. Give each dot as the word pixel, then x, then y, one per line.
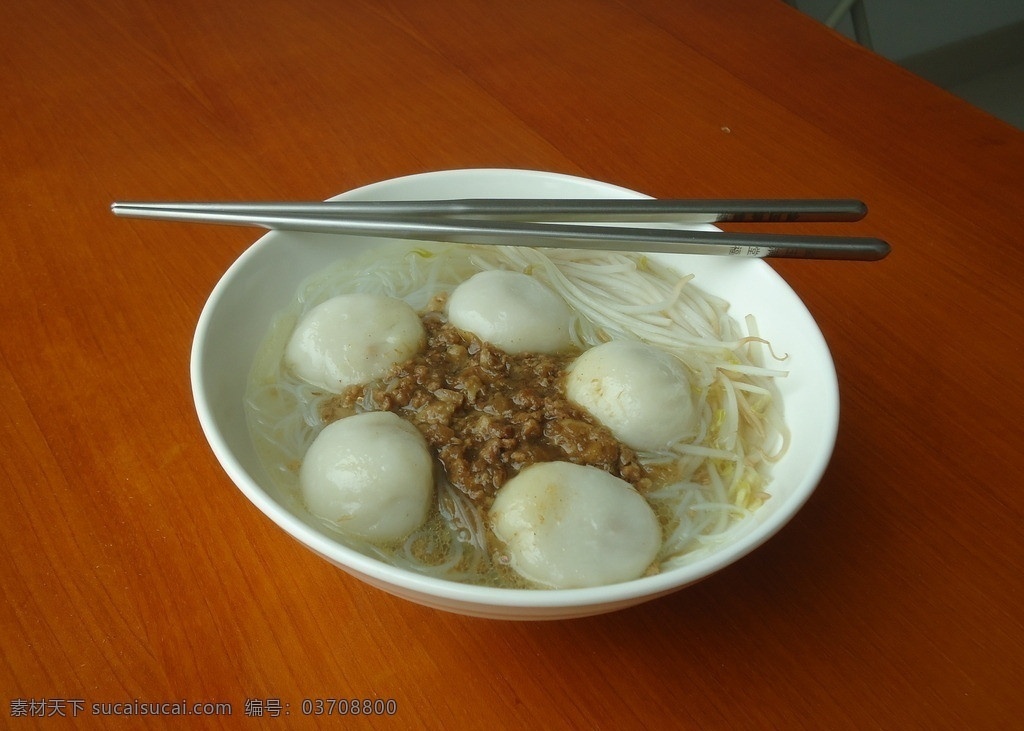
pixel 653 413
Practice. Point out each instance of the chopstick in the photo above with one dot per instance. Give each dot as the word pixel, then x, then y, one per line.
pixel 443 221
pixel 625 210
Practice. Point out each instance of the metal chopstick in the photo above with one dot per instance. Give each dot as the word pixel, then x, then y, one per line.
pixel 625 210
pixel 521 233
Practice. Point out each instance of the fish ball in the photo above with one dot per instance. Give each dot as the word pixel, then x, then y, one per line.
pixel 567 526
pixel 640 392
pixel 511 310
pixel 352 339
pixel 371 475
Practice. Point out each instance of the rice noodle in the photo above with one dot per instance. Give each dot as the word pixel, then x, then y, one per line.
pixel 712 485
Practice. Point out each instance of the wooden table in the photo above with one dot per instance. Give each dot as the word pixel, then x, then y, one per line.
pixel 132 569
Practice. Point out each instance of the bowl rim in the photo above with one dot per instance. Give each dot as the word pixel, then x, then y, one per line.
pixel 377 571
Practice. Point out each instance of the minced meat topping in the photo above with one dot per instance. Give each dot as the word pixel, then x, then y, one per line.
pixel 487 414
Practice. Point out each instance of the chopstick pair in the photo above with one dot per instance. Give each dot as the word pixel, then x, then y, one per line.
pixel 550 223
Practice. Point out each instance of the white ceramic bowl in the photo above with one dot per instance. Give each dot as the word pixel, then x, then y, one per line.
pixel 265 278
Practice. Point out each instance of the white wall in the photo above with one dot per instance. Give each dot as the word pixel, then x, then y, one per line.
pixel 904 28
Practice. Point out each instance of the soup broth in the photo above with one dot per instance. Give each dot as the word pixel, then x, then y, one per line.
pixel 487 414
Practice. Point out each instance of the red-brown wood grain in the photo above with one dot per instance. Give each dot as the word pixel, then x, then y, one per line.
pixel 131 568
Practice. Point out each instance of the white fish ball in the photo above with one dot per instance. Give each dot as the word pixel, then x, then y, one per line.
pixel 640 392
pixel 352 339
pixel 568 526
pixel 371 475
pixel 513 311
